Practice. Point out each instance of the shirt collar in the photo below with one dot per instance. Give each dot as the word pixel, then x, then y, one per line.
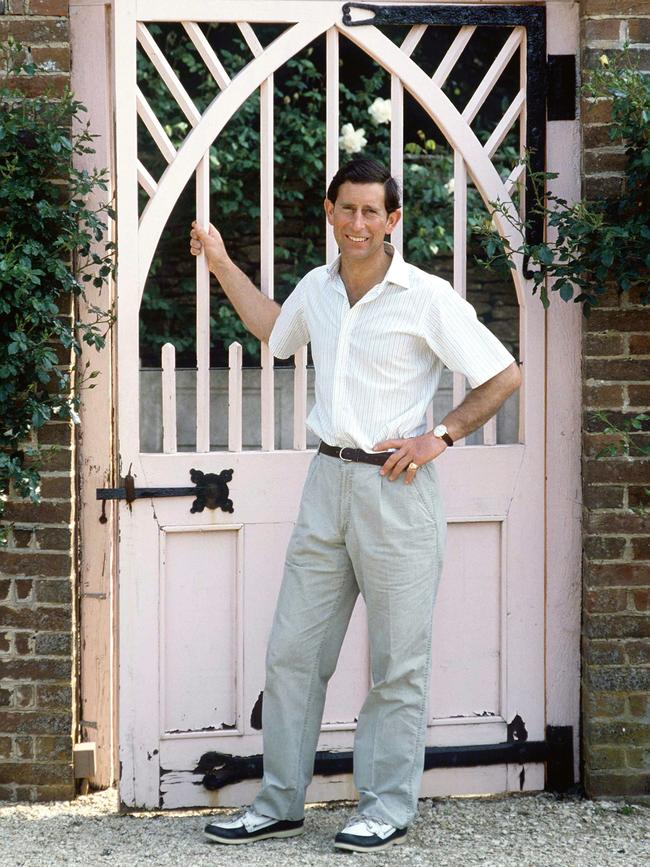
pixel 398 272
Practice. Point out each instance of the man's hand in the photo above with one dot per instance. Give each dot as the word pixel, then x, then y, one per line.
pixel 418 450
pixel 210 243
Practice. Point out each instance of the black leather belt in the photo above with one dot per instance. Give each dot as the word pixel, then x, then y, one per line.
pixel 356 456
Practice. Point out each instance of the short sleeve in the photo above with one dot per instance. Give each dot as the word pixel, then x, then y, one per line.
pixel 290 331
pixel 464 345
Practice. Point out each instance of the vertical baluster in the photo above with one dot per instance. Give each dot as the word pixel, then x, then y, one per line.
pixel 397 148
pixel 168 355
pixel 460 257
pixel 267 391
pixel 203 313
pixel 300 399
pixel 235 397
pixel 332 125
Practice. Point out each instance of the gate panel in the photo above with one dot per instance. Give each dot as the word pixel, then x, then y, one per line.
pixel 198 589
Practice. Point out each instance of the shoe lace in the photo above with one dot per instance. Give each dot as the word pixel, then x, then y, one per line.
pixel 369 821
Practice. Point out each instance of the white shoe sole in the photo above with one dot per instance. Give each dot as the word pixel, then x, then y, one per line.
pixel 290 832
pixel 351 847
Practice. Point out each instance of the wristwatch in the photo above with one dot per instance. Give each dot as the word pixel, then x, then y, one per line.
pixel 440 430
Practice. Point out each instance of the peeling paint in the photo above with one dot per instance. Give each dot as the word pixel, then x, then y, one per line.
pixel 522 778
pixel 517 729
pixel 256 713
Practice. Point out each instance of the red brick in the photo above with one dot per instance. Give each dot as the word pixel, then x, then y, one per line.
pixel 598 345
pixel 594 444
pixel 641 547
pixel 597 136
pixel 37 668
pixel 24 587
pixel 609 784
pixel 618 470
pixel 56 458
pixel 17 7
pixel 35 722
pixel 638 705
pixel 54 538
pixel 603 186
pixel 639 30
pixel 56 433
pixel 5 642
pixel 44 84
pixel 620 9
pixel 605 497
pixel 37 618
pixel 638 496
pixel 5 747
pixel 5 587
pixel 54 590
pixel 619 320
pixel 638 652
pixel 6 696
pixel 56 486
pixel 54 695
pixel 638 56
pixel 595 111
pixel 616 574
pixel 36 564
pixel 605 161
pixel 55 793
pixel 609 599
pixel 34 32
pixel 55 749
pixel 24 643
pixel 602 29
pixel 28 773
pixel 641 601
pixel 21 538
pixel 617 626
pixel 24 747
pixel 42 513
pixel 602 396
pixel 631 369
pixel 48 7
pixel 640 344
pixel 598 651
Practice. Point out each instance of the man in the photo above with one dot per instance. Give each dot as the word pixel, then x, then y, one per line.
pixel 371 518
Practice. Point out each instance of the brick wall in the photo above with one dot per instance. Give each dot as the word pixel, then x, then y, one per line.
pixel 37 593
pixel 616 573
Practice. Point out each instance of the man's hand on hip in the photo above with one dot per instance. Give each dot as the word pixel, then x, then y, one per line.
pixel 413 450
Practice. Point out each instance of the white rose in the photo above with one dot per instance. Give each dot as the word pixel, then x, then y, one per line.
pixel 352 140
pixel 380 110
pixel 449 186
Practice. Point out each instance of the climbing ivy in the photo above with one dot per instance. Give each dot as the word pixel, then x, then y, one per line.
pixel 51 245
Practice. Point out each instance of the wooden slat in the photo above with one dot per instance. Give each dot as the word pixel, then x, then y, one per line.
pixel 256 47
pixel 412 39
pixel 332 126
pixel 490 432
pixel 397 149
pixel 168 355
pixel 214 65
pixel 460 258
pixel 267 242
pixel 146 181
pixel 235 397
pixel 452 55
pixel 300 399
pixel 512 44
pixel 168 75
pixel 154 126
pixel 505 124
pixel 203 313
pixel 514 177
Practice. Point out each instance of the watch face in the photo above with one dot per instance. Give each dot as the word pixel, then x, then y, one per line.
pixel 439 430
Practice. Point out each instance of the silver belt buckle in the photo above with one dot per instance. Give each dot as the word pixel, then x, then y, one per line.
pixel 345 460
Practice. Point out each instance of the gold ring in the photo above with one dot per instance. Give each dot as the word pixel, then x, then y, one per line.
pixel 412 466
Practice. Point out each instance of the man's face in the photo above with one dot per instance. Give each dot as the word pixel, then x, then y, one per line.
pixel 360 220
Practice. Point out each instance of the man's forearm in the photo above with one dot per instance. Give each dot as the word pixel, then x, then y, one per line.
pixel 256 311
pixel 482 403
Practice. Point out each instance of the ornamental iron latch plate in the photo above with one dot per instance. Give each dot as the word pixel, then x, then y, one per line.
pixel 210 491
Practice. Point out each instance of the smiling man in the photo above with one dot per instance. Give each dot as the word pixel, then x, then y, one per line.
pixel 371 519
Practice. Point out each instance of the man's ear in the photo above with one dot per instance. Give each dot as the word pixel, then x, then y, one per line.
pixel 329 210
pixel 393 219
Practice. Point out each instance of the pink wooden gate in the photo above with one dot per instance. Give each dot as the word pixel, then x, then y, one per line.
pixel 197 589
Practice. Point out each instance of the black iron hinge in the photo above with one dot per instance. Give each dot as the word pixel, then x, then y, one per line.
pixel 210 491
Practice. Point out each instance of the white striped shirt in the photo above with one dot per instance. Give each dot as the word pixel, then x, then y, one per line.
pixel 378 363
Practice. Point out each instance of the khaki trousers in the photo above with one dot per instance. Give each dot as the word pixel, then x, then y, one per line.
pixel 356 532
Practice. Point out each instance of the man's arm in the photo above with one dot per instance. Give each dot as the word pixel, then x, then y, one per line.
pixel 479 406
pixel 256 311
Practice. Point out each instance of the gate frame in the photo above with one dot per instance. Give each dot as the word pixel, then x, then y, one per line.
pixel 90 22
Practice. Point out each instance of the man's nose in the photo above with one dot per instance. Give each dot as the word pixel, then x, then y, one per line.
pixel 358 221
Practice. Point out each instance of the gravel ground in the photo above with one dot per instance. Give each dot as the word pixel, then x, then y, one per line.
pixel 525 830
